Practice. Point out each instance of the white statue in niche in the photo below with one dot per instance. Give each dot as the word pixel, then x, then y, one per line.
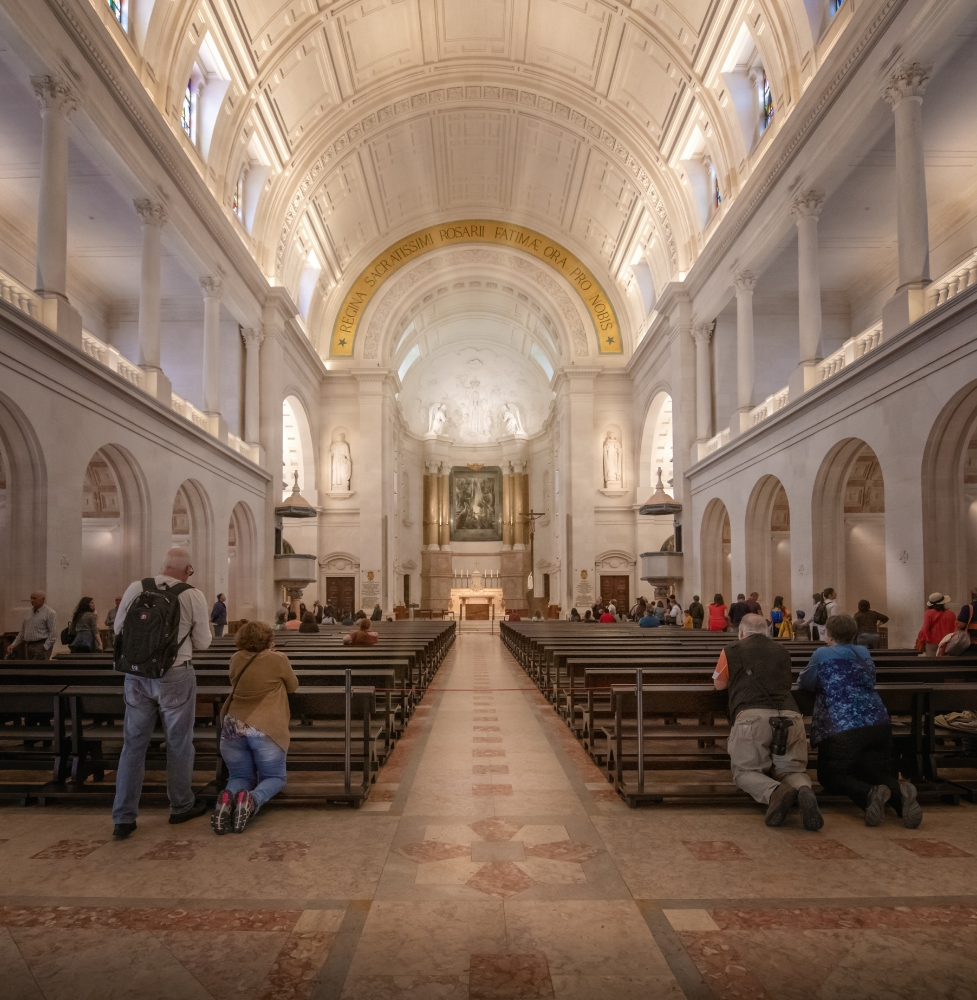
pixel 475 422
pixel 512 420
pixel 612 461
pixel 341 464
pixel 436 419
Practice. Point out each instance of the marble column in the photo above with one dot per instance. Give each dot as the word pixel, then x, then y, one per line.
pixel 520 506
pixel 211 288
pixel 252 386
pixel 507 525
pixel 444 496
pixel 904 92
pixel 744 283
pixel 153 216
pixel 805 211
pixel 431 509
pixel 57 102
pixel 702 335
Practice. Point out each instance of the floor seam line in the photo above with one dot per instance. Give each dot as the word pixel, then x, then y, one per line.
pixel 335 969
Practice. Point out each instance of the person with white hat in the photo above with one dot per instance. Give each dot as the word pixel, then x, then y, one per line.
pixel 938 622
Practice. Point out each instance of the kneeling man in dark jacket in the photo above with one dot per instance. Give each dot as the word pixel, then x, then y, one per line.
pixel 767 744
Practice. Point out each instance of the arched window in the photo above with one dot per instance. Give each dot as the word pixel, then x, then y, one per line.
pixel 717 197
pixel 834 6
pixel 237 201
pixel 120 10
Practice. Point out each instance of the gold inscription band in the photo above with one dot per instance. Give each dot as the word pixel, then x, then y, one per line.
pixel 475 231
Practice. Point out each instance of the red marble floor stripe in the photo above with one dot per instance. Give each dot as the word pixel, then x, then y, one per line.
pixel 148 919
pixel 76 849
pixel 926 847
pixel 490 768
pixel 484 789
pixel 714 850
pixel 495 829
pixel 282 850
pixel 494 977
pixel 494 752
pixel 834 917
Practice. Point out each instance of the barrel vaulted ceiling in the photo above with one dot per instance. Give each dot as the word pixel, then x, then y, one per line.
pixel 361 122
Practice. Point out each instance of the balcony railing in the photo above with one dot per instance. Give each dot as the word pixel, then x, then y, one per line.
pixel 718 441
pixel 851 350
pixel 110 356
pixel 952 283
pixel 20 296
pixel 775 401
pixel 186 409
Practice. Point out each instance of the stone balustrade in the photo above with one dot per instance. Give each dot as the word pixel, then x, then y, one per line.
pixel 717 441
pixel 851 350
pixel 110 356
pixel 956 280
pixel 19 296
pixel 190 412
pixel 775 401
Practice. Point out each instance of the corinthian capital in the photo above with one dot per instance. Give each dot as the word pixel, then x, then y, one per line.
pixel 807 206
pixel 53 94
pixel 211 287
pixel 702 333
pixel 152 213
pixel 745 281
pixel 252 338
pixel 909 80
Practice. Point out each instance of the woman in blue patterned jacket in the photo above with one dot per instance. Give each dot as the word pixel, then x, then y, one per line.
pixel 852 730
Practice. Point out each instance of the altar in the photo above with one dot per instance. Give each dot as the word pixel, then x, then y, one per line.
pixel 476 605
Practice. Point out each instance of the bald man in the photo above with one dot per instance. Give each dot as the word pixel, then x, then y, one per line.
pixel 172 697
pixel 38 632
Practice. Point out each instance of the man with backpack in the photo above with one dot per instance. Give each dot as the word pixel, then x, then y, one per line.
pixel 160 621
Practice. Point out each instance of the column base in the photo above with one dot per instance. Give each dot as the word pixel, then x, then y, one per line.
pixel 905 307
pixel 804 378
pixel 157 385
pixel 740 422
pixel 58 314
pixel 257 453
pixel 217 426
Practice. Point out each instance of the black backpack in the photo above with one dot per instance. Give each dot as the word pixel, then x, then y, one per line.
pixel 150 637
pixel 821 614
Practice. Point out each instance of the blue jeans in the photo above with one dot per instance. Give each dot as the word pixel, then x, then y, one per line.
pixel 173 697
pixel 255 764
pixel 870 640
pixel 219 629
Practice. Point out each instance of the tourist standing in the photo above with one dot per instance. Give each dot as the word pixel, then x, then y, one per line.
pixel 254 727
pixel 737 610
pixel 718 619
pixel 38 630
pixel 170 697
pixel 218 615
pixel 697 612
pixel 938 622
pixel 112 612
pixel 851 727
pixel 83 628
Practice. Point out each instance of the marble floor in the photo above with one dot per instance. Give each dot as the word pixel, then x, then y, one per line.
pixel 492 861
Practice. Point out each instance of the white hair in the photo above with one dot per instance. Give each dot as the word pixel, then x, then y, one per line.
pixel 176 558
pixel 752 625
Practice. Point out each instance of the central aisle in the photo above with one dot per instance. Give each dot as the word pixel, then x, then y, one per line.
pixel 497 882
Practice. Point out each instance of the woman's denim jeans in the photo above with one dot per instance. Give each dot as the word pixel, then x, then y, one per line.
pixel 255 763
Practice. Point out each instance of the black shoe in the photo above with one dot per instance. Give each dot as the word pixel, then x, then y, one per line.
pixel 784 796
pixel 198 809
pixel 220 818
pixel 810 813
pixel 875 810
pixel 244 808
pixel 122 830
pixel 912 812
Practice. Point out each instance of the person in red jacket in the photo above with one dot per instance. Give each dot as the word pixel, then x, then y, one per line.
pixel 937 623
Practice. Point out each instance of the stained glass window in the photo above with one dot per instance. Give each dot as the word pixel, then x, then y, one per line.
pixel 187 116
pixel 717 198
pixel 237 202
pixel 120 10
pixel 766 102
pixel 834 6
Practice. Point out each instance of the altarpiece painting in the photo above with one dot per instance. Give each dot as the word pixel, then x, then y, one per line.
pixel 476 504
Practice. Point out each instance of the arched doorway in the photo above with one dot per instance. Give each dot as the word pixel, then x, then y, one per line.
pixel 242 600
pixel 298 457
pixel 768 542
pixel 715 553
pixel 23 515
pixel 192 529
pixel 949 489
pixel 849 526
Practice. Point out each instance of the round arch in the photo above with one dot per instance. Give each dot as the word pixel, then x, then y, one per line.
pixel 23 514
pixel 714 552
pixel 298 450
pixel 656 442
pixel 193 529
pixel 242 592
pixel 768 541
pixel 848 525
pixel 949 491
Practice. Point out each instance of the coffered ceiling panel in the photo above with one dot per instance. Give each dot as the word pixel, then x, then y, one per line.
pixel 404 161
pixel 605 203
pixel 644 82
pixel 476 154
pixel 301 88
pixel 381 37
pixel 545 158
pixel 266 21
pixel 474 27
pixel 343 205
pixel 568 35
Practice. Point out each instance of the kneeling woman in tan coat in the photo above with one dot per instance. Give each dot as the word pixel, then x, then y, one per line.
pixel 254 731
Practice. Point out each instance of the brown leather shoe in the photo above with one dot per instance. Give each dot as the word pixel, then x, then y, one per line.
pixel 784 796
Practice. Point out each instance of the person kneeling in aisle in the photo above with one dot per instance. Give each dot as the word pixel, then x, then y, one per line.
pixel 767 744
pixel 254 728
pixel 851 727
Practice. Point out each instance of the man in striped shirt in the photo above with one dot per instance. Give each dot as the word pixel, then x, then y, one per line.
pixel 39 631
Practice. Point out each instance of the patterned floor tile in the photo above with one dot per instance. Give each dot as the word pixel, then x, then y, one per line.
pixel 509 977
